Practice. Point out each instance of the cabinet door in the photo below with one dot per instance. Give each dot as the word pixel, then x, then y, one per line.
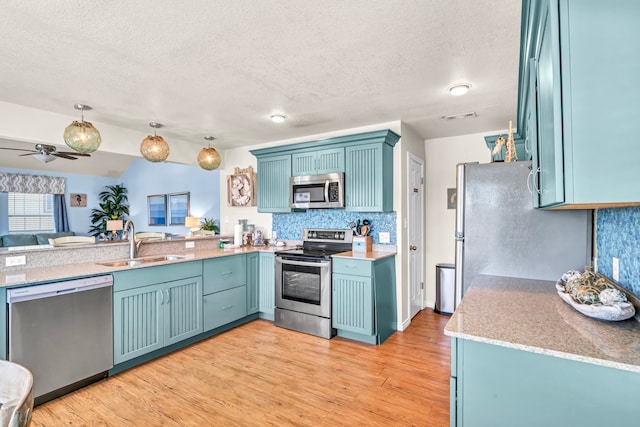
pixel 224 273
pixel 252 282
pixel 267 284
pixel 273 183
pixel 224 307
pixel 317 162
pixel 531 140
pixel 303 163
pixel 369 178
pixel 137 322
pixel 352 306
pixel 182 305
pixel 550 143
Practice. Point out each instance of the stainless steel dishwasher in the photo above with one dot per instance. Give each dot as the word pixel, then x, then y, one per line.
pixel 62 332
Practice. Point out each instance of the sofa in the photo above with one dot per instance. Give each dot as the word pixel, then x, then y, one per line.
pixel 9 240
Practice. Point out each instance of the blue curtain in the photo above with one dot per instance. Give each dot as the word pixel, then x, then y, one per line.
pixel 60 219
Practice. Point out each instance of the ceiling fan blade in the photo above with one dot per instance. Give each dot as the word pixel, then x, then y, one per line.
pixel 19 149
pixel 73 153
pixel 64 156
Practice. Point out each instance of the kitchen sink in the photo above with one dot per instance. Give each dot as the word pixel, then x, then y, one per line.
pixel 138 261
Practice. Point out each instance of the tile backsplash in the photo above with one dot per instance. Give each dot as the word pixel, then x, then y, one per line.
pixel 618 235
pixel 289 225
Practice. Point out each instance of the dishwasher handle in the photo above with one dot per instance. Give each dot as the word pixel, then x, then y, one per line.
pixel 47 290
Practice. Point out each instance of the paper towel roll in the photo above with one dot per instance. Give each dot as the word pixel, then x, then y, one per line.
pixel 237 234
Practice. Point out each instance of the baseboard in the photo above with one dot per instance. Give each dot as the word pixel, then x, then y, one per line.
pixel 401 326
pixel 429 304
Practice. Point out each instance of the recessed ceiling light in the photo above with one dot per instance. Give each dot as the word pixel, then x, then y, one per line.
pixel 278 118
pixel 459 89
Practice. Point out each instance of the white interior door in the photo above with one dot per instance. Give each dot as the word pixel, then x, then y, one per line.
pixel 415 200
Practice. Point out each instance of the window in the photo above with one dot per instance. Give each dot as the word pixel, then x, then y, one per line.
pixel 30 213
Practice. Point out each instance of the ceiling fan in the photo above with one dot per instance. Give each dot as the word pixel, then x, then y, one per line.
pixel 48 153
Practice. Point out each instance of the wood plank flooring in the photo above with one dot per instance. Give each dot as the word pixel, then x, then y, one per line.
pixel 262 375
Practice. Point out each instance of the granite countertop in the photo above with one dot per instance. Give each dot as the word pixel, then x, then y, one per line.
pixel 370 256
pixel 529 315
pixel 67 271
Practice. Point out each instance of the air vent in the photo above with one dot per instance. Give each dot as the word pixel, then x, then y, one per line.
pixel 461 116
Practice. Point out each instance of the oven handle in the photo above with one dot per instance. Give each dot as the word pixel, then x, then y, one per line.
pixel 304 264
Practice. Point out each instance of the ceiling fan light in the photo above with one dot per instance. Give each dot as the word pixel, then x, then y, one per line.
pixel 209 158
pixel 82 137
pixel 45 158
pixel 154 148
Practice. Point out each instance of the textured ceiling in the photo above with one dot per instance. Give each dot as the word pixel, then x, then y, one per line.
pixel 223 67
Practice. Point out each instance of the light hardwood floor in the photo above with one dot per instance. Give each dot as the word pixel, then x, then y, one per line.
pixel 262 375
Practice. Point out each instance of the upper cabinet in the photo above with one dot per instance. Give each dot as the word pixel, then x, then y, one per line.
pixel 366 160
pixel 577 104
pixel 317 162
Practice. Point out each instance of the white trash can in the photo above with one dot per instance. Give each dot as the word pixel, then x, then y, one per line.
pixel 445 288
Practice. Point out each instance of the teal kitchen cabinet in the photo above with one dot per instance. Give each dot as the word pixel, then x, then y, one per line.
pixel 366 158
pixel 369 177
pixel 225 290
pixel 267 286
pixel 498 386
pixel 273 183
pixel 253 282
pixel 315 162
pixel 364 299
pixel 150 317
pixel 584 153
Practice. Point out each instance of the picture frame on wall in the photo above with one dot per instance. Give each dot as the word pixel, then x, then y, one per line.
pixel 178 208
pixel 241 187
pixel 157 209
pixel 452 198
pixel 78 200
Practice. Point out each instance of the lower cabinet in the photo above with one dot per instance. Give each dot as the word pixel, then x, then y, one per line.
pixel 225 290
pixel 224 307
pixel 267 286
pixel 364 299
pixel 498 386
pixel 253 281
pixel 150 317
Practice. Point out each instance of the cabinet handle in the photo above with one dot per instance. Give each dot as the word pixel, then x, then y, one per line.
pixel 226 273
pixel 168 298
pixel 227 307
pixel 161 297
pixel 535 186
pixel 529 180
pixel 413 247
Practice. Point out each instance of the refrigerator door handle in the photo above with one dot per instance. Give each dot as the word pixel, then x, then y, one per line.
pixel 460 200
pixel 458 271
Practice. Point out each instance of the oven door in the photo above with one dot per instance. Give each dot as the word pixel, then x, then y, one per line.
pixel 304 285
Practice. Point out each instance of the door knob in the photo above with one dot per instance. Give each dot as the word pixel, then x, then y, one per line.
pixel 413 247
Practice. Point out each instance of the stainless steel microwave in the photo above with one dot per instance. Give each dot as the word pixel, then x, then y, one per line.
pixel 317 191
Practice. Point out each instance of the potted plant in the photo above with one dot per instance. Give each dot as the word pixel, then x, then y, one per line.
pixel 210 225
pixel 114 205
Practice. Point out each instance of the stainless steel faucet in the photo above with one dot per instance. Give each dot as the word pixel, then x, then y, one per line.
pixel 133 248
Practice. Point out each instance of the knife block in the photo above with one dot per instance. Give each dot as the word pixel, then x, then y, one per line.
pixel 362 244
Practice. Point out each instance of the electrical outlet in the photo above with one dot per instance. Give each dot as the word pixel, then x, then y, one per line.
pixel 15 260
pixel 616 269
pixel 384 237
pixel 189 245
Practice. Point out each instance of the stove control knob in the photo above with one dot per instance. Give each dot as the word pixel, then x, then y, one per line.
pixel 341 236
pixel 337 236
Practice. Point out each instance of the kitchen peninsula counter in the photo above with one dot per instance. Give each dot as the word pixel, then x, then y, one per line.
pixel 528 315
pixel 26 275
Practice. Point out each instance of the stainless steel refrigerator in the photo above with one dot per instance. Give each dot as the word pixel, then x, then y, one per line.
pixel 498 232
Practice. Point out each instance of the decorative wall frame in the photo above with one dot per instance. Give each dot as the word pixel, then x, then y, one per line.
pixel 241 187
pixel 178 208
pixel 78 200
pixel 157 209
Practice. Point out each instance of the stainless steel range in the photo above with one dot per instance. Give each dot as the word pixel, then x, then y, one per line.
pixel 303 281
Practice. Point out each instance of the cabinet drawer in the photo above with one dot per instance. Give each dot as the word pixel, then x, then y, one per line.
pixel 355 267
pixel 224 273
pixel 224 307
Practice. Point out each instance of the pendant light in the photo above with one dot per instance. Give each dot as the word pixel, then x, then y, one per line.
pixel 82 136
pixel 154 148
pixel 209 158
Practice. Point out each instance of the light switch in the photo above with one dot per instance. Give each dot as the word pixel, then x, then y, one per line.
pixel 384 237
pixel 189 245
pixel 15 260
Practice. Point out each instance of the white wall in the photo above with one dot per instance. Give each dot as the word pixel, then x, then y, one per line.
pixel 442 156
